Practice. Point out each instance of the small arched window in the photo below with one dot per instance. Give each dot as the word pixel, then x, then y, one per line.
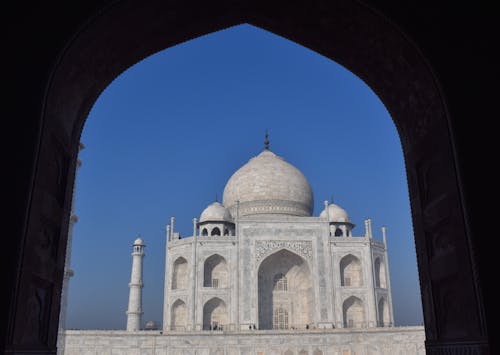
pixel 226 231
pixel 215 231
pixel 280 282
pixel 204 232
pixel 339 232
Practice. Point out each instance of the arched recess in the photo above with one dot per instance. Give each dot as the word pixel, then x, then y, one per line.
pixel 351 273
pixel 103 41
pixel 380 279
pixel 215 231
pixel 353 311
pixel 215 273
pixel 180 273
pixel 178 315
pixel 280 282
pixel 383 313
pixel 215 314
pixel 296 300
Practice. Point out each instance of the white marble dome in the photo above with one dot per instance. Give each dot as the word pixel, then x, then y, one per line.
pixel 336 214
pixel 215 212
pixel 138 241
pixel 151 325
pixel 267 184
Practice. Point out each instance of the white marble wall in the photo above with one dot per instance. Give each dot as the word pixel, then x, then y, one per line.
pixel 260 237
pixel 374 341
pixel 194 293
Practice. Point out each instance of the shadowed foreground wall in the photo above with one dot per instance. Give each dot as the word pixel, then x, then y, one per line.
pixel 431 63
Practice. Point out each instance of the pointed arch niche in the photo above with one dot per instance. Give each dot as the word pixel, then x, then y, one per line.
pixel 353 313
pixel 380 279
pixel 178 315
pixel 283 307
pixel 215 315
pixel 180 274
pixel 383 313
pixel 351 273
pixel 215 273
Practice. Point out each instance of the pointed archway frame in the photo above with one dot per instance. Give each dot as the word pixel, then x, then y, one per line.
pixel 349 32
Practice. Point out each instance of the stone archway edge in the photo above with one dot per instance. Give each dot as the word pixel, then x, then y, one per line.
pixel 348 32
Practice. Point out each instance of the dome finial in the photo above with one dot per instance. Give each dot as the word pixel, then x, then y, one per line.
pixel 216 197
pixel 266 141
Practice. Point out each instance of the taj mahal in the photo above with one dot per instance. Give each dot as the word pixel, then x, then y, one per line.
pixel 261 275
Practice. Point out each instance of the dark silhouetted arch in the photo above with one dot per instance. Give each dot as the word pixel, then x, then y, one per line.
pixel 431 90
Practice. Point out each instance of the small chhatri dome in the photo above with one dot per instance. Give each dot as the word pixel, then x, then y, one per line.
pixel 336 214
pixel 138 241
pixel 151 325
pixel 215 212
pixel 267 184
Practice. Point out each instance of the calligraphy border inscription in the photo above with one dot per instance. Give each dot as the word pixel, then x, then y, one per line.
pixel 266 247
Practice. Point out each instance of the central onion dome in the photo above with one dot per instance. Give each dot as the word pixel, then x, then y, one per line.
pixel 267 184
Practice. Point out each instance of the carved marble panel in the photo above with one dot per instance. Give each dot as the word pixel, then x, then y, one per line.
pixel 263 248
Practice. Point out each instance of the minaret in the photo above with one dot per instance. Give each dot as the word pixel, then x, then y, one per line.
pixel 134 312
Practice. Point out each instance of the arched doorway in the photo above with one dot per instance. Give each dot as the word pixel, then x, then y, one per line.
pixel 215 314
pixel 178 316
pixel 284 291
pixel 383 313
pixel 353 311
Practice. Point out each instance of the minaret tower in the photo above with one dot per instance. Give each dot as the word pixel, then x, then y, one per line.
pixel 134 312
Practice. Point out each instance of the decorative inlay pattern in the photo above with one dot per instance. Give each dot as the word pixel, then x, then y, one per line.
pixel 266 247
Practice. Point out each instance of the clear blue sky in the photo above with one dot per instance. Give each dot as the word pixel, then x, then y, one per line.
pixel 163 139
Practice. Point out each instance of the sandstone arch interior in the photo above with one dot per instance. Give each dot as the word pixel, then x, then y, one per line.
pixel 436 185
